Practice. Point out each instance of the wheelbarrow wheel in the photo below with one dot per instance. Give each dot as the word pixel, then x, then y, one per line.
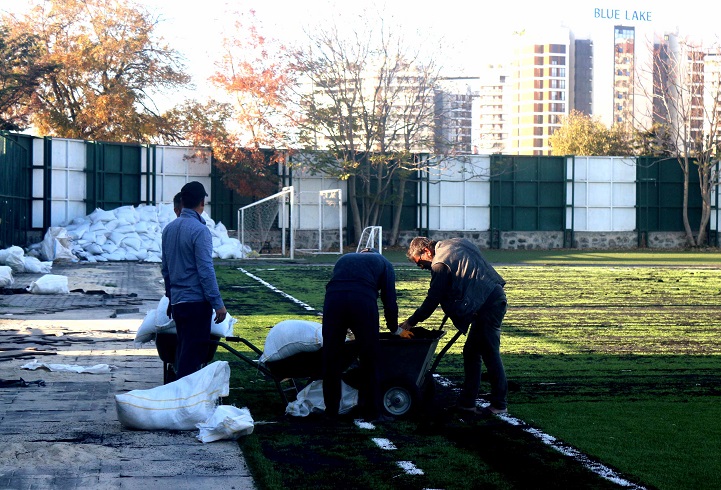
pixel 400 397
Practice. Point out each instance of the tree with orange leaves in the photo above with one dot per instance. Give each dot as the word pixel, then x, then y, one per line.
pixel 248 132
pixel 111 62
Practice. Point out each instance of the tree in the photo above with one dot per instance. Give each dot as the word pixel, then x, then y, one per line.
pixel 21 71
pixel 366 105
pixel 111 66
pixel 687 116
pixel 581 134
pixel 249 130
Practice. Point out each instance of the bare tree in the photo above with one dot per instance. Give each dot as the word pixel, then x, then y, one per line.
pixel 686 104
pixel 367 107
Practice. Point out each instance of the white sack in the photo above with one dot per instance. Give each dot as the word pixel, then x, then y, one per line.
pixel 57 244
pixel 290 337
pixel 50 284
pixel 146 330
pixel 310 400
pixel 157 321
pixel 69 368
pixel 34 266
pixel 15 258
pixel 6 276
pixel 227 422
pixel 179 405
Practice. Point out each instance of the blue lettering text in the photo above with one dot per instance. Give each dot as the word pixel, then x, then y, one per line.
pixel 607 14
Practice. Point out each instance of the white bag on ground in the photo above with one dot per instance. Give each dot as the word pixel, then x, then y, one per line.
pixel 310 400
pixel 227 422
pixel 179 405
pixel 290 337
pixel 6 276
pixel 50 284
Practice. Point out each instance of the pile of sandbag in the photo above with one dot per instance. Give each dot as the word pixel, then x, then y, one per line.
pixel 126 233
pixel 14 257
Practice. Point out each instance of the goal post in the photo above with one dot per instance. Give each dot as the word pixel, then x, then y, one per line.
pixel 371 237
pixel 257 220
pixel 328 221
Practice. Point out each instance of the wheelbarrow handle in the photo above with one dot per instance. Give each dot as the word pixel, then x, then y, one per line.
pixel 445 348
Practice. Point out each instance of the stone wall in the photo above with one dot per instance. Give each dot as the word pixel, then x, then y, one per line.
pixel 511 240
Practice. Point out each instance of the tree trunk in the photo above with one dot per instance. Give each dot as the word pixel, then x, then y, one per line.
pixel 704 173
pixel 355 212
pixel 686 226
pixel 397 211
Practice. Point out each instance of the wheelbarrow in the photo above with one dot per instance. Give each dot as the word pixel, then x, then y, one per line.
pixel 290 375
pixel 407 381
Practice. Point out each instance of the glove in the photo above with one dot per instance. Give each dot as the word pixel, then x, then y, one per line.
pixel 406 334
pixel 169 311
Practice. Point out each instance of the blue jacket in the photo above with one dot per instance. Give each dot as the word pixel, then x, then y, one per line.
pixel 367 274
pixel 188 261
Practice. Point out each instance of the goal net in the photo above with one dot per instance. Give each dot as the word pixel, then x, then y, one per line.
pixel 372 237
pixel 266 225
pixel 320 217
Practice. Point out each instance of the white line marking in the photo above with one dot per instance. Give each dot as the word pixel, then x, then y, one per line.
pixel 409 468
pixel 384 443
pixel 362 424
pixel 600 469
pixel 276 290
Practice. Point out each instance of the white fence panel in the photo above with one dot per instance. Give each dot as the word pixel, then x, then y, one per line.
pixel 306 187
pixel 603 194
pixel 175 166
pixel 459 195
pixel 67 181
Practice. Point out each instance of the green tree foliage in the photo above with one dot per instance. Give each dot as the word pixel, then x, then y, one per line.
pixel 581 134
pixel 21 71
pixel 111 65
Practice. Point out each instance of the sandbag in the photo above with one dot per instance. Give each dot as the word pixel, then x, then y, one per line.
pixel 179 405
pixel 6 276
pixel 50 284
pixel 291 337
pixel 157 321
pixel 227 422
pixel 147 330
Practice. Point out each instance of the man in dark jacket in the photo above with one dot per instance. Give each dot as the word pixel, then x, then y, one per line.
pixel 470 291
pixel 190 281
pixel 351 302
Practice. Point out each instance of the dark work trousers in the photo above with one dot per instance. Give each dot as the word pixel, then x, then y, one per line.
pixel 192 322
pixel 348 310
pixel 484 343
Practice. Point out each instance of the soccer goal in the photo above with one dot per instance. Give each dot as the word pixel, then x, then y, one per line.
pixel 266 225
pixel 324 223
pixel 372 237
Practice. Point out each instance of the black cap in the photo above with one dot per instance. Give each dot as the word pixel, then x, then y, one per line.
pixel 194 190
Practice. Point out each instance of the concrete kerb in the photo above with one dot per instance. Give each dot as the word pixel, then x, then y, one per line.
pixel 66 434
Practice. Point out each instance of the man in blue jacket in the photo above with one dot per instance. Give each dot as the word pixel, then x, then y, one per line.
pixel 190 281
pixel 471 293
pixel 351 302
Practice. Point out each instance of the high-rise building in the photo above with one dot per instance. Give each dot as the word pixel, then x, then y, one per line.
pixel 538 91
pixel 491 112
pixel 454 100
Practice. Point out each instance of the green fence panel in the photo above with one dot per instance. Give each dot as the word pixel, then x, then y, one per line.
pixel 527 193
pixel 113 175
pixel 15 192
pixel 659 196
